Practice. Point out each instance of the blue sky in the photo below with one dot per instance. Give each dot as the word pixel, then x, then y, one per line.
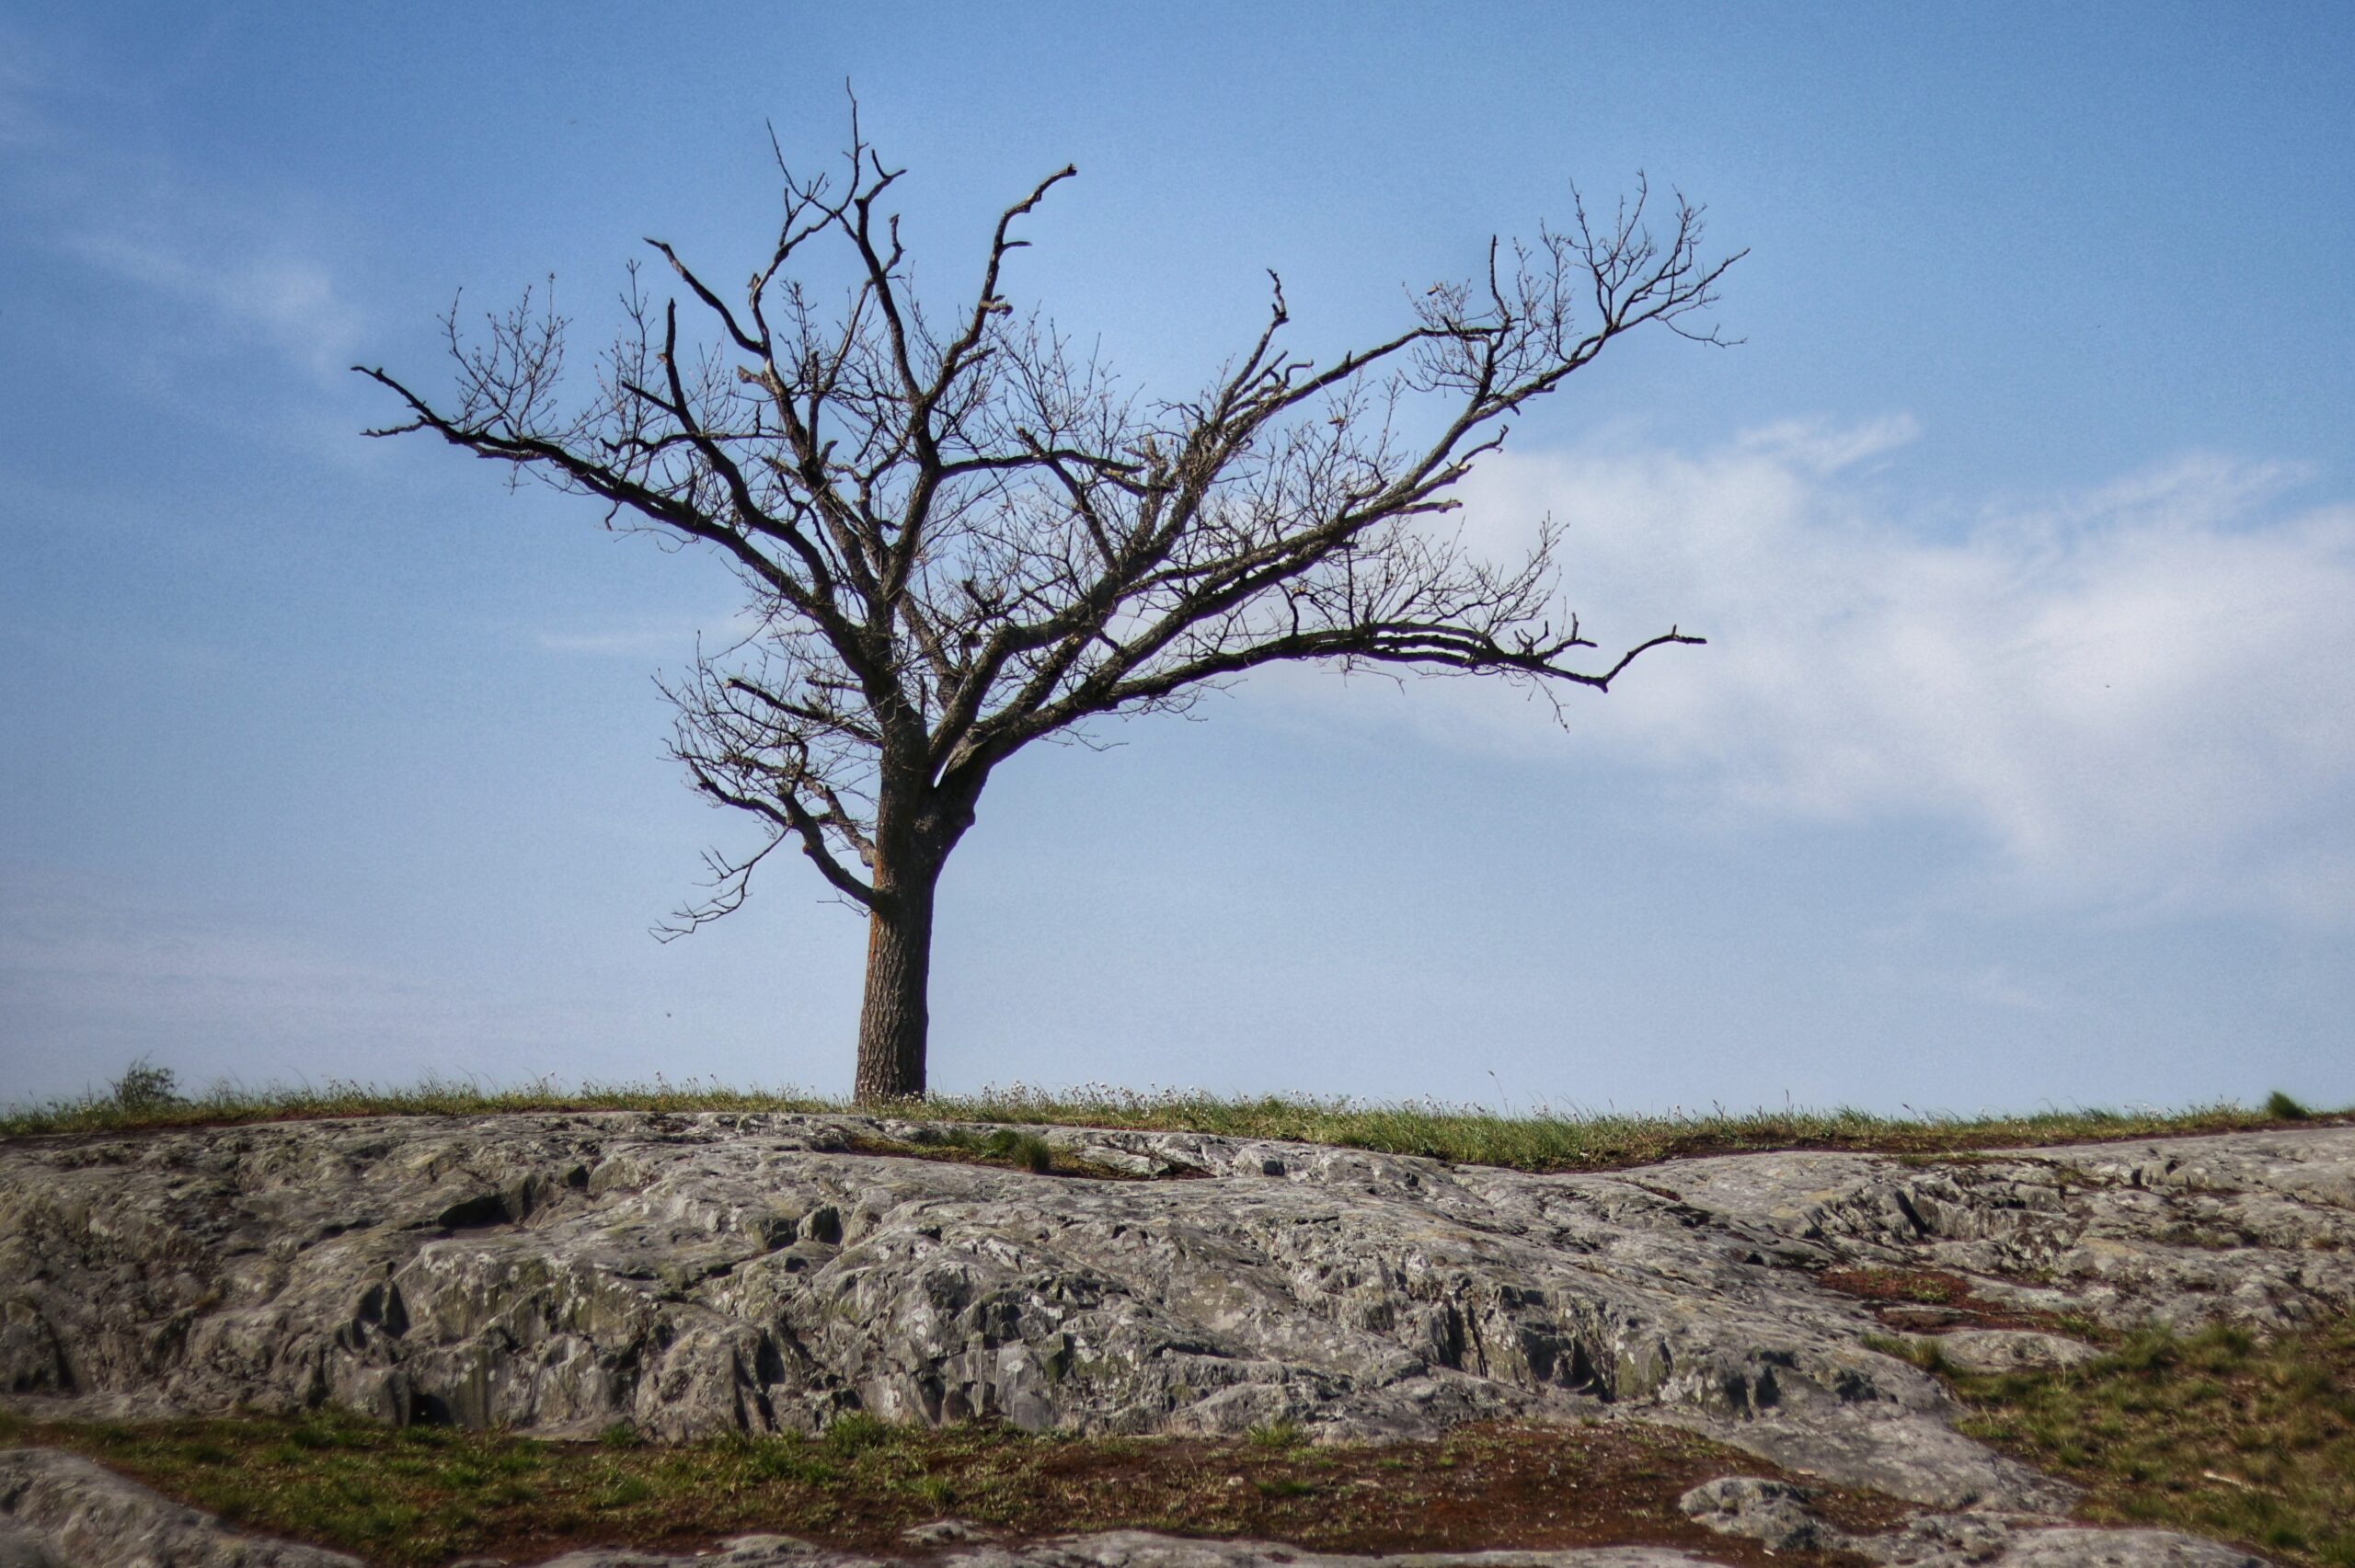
pixel 2019 769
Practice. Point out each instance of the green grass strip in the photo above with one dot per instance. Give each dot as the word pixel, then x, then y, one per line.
pixel 1534 1140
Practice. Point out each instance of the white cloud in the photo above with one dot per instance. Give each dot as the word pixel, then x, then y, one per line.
pixel 2140 697
pixel 1826 446
pixel 227 268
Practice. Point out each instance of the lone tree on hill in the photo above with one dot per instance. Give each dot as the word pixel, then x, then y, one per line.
pixel 960 536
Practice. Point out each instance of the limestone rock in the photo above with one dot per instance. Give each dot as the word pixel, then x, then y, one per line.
pixel 1778 1515
pixel 1773 1511
pixel 58 1509
pixel 20 1547
pixel 2011 1350
pixel 691 1274
pixel 1995 1540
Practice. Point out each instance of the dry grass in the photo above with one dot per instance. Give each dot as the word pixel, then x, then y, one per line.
pixel 1536 1140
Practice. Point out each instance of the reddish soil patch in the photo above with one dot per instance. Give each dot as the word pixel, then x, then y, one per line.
pixel 1933 1301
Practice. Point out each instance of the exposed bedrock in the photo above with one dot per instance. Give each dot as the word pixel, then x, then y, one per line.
pixel 698 1274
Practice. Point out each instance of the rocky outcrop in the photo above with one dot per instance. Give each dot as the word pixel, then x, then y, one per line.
pixel 696 1274
pixel 1779 1515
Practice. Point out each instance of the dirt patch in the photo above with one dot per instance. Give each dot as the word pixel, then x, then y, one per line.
pixel 1933 1301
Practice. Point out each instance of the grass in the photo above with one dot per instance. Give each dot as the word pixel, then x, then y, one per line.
pixel 417 1498
pixel 1541 1139
pixel 2218 1433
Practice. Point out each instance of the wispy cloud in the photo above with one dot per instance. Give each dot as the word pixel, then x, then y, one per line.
pixel 235 261
pixel 1827 446
pixel 2140 696
pixel 227 265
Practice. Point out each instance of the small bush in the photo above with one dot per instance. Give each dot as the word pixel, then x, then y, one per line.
pixel 1027 1149
pixel 2282 1108
pixel 626 1493
pixel 847 1436
pixel 787 1459
pixel 146 1087
pixel 1922 1351
pixel 1276 1435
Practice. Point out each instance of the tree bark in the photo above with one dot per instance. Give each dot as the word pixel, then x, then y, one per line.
pixel 917 825
pixel 895 1018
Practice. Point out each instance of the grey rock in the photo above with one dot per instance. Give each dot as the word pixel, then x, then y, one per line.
pixel 1955 1541
pixel 58 1509
pixel 744 1551
pixel 1136 1549
pixel 714 1273
pixel 945 1532
pixel 20 1547
pixel 2062 1547
pixel 1773 1511
pixel 2251 1228
pixel 2011 1350
pixel 2072 1548
pixel 1778 1515
pixel 1909 1454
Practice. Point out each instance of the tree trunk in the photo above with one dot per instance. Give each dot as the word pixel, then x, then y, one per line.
pixel 894 1019
pixel 916 827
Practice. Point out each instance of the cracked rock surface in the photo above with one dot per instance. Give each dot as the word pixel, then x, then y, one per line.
pixel 1779 1515
pixel 691 1274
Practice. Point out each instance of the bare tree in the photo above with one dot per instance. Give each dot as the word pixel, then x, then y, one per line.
pixel 960 536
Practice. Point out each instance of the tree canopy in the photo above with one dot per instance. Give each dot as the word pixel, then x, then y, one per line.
pixel 958 534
